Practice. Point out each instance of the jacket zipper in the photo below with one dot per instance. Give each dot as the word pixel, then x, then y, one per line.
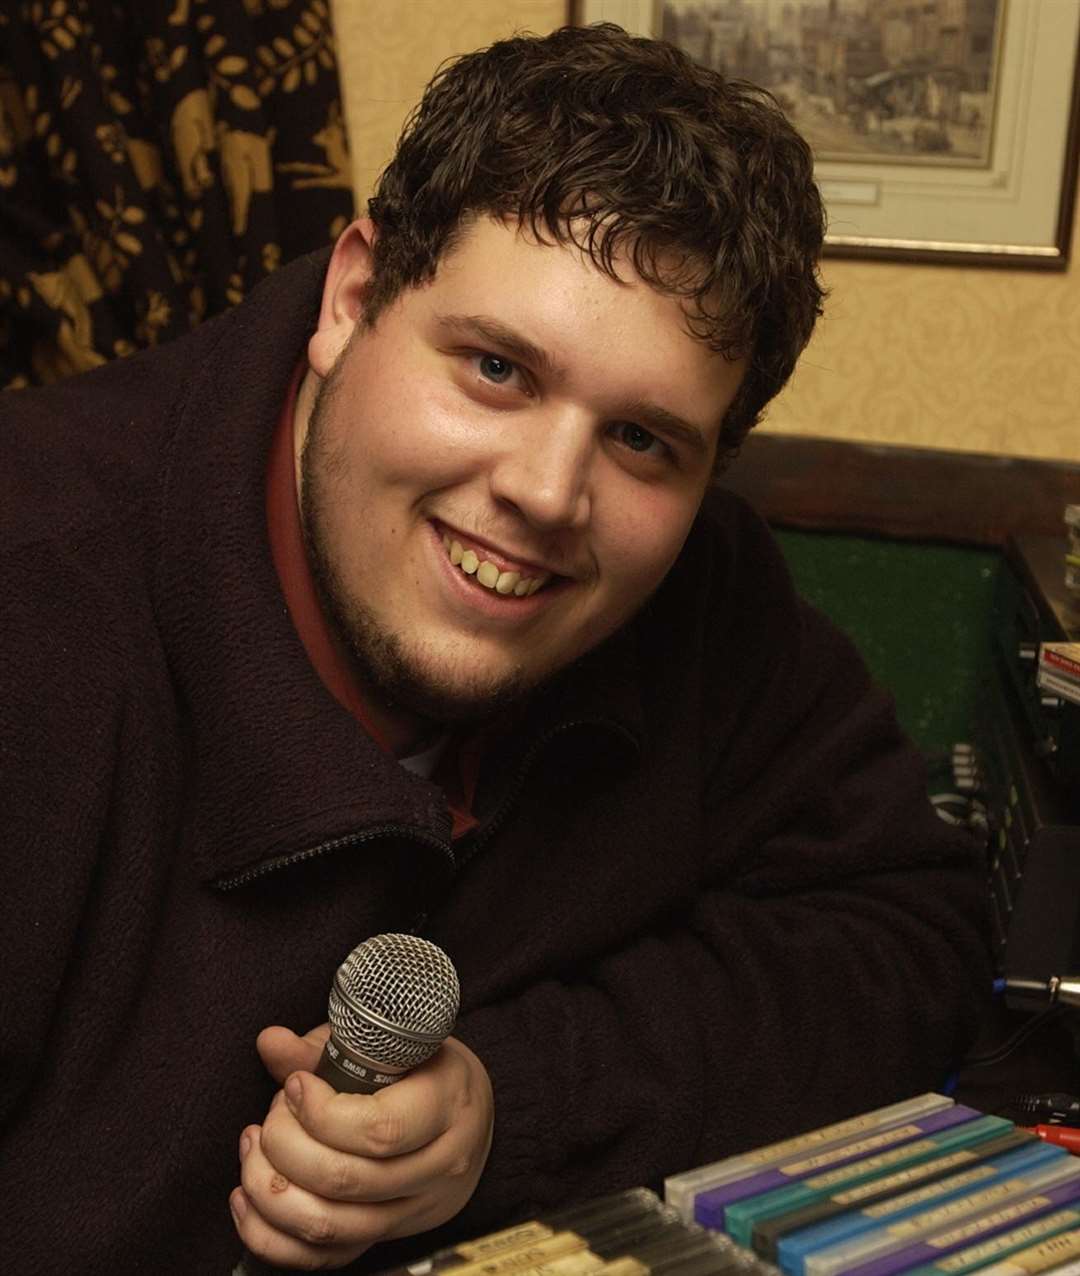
pixel 514 788
pixel 352 839
pixel 484 835
pixel 510 796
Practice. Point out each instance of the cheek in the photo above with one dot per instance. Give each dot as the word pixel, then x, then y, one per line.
pixel 643 546
pixel 410 433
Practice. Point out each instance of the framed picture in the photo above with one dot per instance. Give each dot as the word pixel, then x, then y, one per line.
pixel 944 130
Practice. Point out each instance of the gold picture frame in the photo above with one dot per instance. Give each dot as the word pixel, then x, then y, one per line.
pixel 982 168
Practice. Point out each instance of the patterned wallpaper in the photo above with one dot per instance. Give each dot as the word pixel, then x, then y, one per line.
pixel 926 356
pixel 388 50
pixel 968 359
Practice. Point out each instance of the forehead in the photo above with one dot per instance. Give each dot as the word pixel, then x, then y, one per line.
pixel 578 314
pixel 485 241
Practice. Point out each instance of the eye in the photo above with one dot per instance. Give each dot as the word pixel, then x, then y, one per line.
pixel 638 439
pixel 496 369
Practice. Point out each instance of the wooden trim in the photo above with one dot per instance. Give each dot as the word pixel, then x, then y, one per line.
pixel 1056 258
pixel 1067 207
pixel 909 493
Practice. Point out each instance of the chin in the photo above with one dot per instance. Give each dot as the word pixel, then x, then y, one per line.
pixel 438 686
pixel 428 679
pixel 447 704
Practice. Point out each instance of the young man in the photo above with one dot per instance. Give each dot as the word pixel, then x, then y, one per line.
pixel 387 602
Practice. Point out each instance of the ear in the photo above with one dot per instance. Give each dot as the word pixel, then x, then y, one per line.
pixel 350 268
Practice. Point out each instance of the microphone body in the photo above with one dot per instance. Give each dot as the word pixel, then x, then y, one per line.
pixel 393 1002
pixel 350 1073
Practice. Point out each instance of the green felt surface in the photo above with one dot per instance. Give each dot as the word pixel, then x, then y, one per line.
pixel 919 613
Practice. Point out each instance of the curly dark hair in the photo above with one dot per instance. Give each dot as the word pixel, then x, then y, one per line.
pixel 619 144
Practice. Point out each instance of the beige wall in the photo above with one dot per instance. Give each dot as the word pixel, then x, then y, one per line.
pixel 966 359
pixel 943 356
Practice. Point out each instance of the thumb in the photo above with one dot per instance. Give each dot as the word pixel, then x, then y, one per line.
pixel 283 1052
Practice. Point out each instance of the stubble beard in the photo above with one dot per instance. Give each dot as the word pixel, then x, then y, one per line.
pixel 436 686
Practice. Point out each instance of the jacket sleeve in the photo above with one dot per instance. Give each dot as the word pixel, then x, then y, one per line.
pixel 833 958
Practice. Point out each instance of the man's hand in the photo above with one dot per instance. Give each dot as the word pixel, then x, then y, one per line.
pixel 328 1175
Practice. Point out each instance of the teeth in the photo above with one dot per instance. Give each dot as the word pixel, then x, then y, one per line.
pixel 489 575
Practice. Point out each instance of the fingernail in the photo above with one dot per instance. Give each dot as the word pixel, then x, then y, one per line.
pixel 245 1146
pixel 238 1204
pixel 294 1093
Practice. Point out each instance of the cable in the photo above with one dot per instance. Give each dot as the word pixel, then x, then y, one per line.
pixel 1017 1038
pixel 961 807
pixel 949 818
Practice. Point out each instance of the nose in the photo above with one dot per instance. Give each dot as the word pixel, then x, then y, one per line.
pixel 543 470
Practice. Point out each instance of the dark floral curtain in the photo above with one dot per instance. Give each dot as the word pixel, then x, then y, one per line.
pixel 157 159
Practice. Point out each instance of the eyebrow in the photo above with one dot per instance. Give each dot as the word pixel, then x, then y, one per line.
pixel 507 340
pixel 658 420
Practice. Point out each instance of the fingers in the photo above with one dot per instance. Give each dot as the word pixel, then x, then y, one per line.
pixel 284 1223
pixel 341 1176
pixel 278 1248
pixel 400 1118
pixel 328 1175
pixel 283 1051
pixel 378 1147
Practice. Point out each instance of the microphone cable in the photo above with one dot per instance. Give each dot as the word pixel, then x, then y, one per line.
pixel 1061 993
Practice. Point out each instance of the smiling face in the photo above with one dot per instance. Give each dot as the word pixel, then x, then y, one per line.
pixel 500 471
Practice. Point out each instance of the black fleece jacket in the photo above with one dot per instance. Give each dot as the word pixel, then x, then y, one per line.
pixel 707 903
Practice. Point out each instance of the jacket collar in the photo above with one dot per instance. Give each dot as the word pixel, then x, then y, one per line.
pixel 279 766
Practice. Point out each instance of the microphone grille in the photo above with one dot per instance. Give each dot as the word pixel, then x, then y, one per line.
pixel 394 1000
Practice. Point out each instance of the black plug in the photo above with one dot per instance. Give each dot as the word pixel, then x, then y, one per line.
pixel 1047 1109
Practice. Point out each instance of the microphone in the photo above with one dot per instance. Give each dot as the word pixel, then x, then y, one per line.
pixel 393 1002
